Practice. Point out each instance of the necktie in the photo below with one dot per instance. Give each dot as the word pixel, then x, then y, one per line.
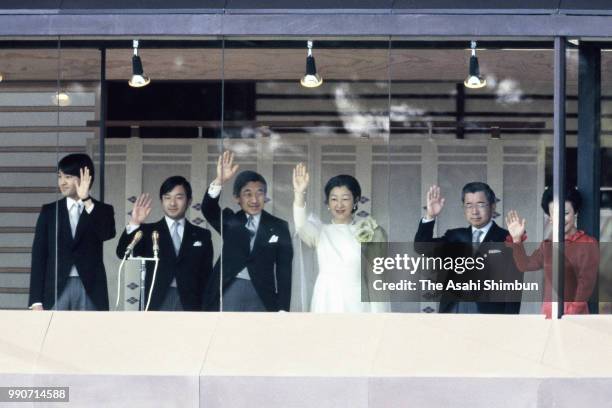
pixel 176 238
pixel 476 239
pixel 250 226
pixel 75 213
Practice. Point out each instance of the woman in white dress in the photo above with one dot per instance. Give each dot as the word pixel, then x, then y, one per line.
pixel 338 286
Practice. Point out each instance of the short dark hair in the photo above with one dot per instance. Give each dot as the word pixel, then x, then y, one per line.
pixel 73 163
pixel 478 186
pixel 344 180
pixel 571 194
pixel 171 182
pixel 246 177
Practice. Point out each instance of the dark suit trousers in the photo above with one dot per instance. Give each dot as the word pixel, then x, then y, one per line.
pixel 240 296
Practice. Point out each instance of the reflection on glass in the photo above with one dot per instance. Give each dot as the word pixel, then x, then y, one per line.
pixel 394 117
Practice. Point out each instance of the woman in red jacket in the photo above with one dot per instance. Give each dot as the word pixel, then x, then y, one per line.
pixel 581 255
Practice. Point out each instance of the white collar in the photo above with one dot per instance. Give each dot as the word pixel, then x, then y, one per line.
pixel 70 202
pixel 171 222
pixel 256 217
pixel 485 229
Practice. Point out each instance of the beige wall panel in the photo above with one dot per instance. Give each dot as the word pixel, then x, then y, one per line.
pixel 152 343
pixel 21 344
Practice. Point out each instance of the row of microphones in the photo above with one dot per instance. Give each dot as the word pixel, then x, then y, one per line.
pixel 129 251
pixel 136 240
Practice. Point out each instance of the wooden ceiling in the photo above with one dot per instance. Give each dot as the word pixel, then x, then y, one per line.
pixel 525 66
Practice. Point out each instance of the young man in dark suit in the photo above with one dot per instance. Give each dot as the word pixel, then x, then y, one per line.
pixel 257 253
pixel 185 250
pixel 483 238
pixel 83 224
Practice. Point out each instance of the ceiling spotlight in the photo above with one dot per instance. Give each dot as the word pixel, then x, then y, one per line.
pixel 139 79
pixel 474 80
pixel 61 98
pixel 311 79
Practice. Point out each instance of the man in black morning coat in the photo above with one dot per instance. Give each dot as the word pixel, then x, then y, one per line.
pixel 68 273
pixel 482 238
pixel 185 250
pixel 257 252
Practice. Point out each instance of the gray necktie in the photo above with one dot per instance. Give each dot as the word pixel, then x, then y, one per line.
pixel 75 213
pixel 250 225
pixel 176 238
pixel 476 239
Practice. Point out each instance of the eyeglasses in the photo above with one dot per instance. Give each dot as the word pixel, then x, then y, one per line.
pixel 480 206
pixel 249 194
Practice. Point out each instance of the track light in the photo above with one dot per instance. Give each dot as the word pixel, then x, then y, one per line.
pixel 139 79
pixel 61 98
pixel 474 80
pixel 311 79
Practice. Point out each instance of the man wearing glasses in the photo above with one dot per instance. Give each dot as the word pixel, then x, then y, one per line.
pixel 482 238
pixel 256 258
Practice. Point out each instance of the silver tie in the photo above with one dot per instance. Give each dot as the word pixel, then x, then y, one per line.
pixel 476 240
pixel 250 225
pixel 75 213
pixel 176 238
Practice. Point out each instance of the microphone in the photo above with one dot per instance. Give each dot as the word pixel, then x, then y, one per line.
pixel 155 238
pixel 135 241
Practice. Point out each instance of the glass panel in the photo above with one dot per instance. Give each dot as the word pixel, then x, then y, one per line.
pixel 161 141
pixel 83 224
pixel 339 128
pixel 604 290
pixel 31 143
pixel 448 135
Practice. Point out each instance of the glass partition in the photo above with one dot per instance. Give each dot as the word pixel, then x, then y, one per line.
pixel 33 139
pixel 377 121
pixel 84 226
pixel 305 255
pixel 470 124
pixel 604 289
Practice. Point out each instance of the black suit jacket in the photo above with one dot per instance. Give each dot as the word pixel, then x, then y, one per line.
pixel 84 251
pixel 192 267
pixel 268 264
pixel 499 264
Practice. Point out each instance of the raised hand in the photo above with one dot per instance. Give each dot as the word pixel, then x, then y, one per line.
pixel 83 183
pixel 141 210
pixel 226 169
pixel 435 202
pixel 300 178
pixel 515 225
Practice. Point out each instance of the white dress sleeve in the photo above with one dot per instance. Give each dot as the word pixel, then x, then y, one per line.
pixel 307 230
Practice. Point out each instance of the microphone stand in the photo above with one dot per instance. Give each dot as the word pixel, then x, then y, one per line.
pixel 143 273
pixel 143 269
